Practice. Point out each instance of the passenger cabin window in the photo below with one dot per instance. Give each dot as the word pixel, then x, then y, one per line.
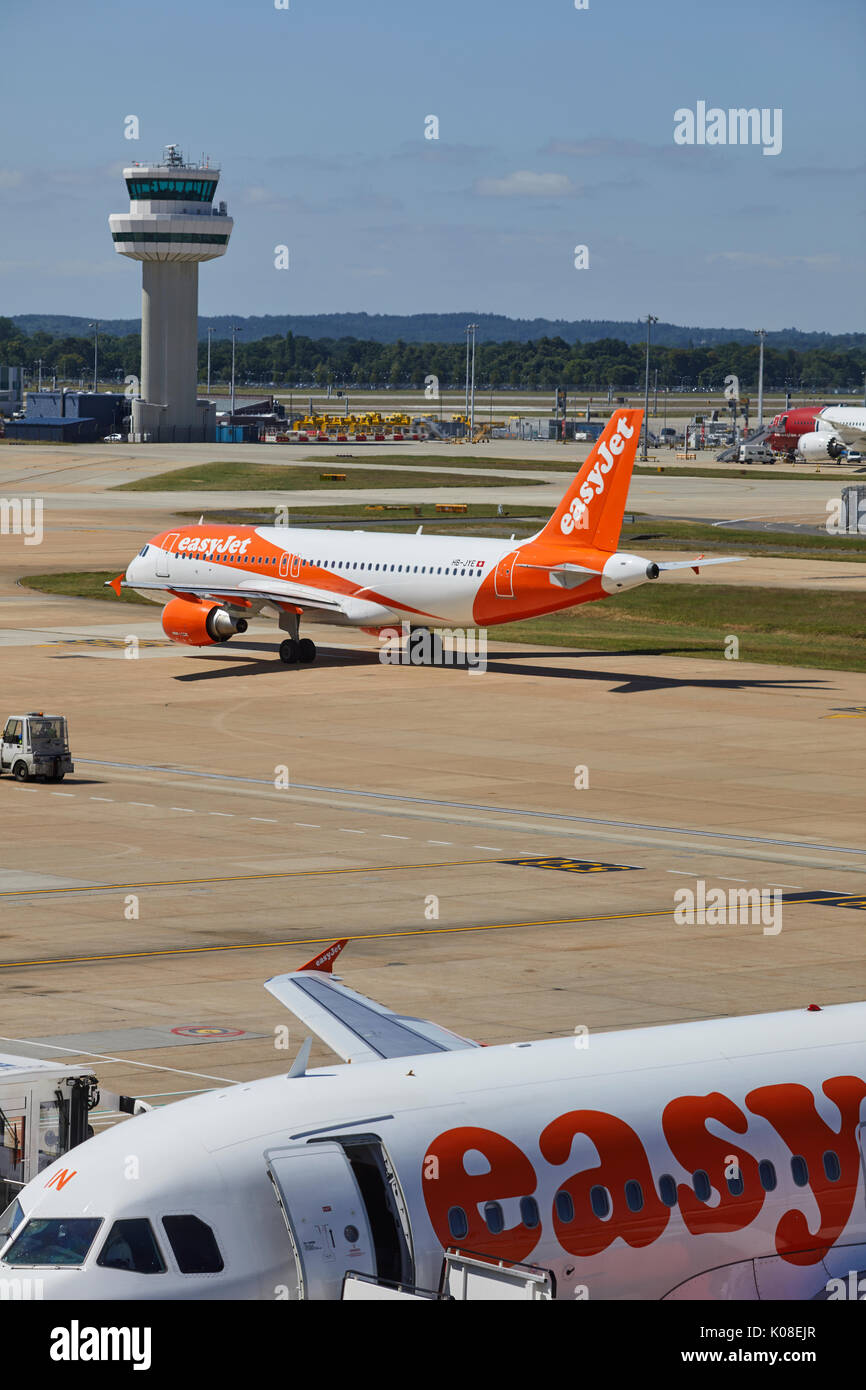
pixel 668 1190
pixel 831 1166
pixel 494 1218
pixel 599 1200
pixel 633 1195
pixel 800 1171
pixel 767 1174
pixel 529 1212
pixel 457 1223
pixel 194 1245
pixel 564 1206
pixel 701 1184
pixel 132 1245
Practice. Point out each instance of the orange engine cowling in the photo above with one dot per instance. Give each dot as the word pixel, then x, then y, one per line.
pixel 199 624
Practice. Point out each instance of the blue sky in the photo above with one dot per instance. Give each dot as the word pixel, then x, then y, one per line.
pixel 555 129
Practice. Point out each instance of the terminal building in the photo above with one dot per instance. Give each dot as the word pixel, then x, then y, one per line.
pixel 171 226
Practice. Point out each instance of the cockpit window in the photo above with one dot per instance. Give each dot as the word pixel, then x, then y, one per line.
pixel 144 550
pixel 132 1245
pixel 43 1242
pixel 194 1245
pixel 10 1220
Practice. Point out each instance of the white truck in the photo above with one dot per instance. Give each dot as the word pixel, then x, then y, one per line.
pixel 756 453
pixel 36 745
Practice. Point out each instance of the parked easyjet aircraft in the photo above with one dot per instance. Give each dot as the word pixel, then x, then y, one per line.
pixel 212 578
pixel 711 1160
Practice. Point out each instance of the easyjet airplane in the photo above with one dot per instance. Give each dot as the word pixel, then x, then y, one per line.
pixel 212 578
pixel 710 1160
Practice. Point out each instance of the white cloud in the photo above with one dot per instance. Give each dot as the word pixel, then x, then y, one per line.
pixel 822 261
pixel 525 183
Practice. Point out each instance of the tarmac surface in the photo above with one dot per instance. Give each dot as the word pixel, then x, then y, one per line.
pixel 229 815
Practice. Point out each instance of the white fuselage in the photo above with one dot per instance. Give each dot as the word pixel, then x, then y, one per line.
pixel 479 1132
pixel 400 576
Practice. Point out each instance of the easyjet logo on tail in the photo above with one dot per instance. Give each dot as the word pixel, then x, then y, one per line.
pixel 593 486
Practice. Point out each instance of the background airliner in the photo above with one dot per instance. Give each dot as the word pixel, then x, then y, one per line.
pixel 212 578
pixel 709 1160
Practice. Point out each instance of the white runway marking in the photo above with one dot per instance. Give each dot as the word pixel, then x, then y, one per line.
pixel 102 798
pixel 63 793
pixel 187 810
pixel 269 819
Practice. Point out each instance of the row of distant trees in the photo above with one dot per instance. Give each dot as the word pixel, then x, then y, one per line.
pixel 293 361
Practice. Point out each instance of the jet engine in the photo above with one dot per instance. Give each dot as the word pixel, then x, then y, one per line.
pixel 197 624
pixel 820 445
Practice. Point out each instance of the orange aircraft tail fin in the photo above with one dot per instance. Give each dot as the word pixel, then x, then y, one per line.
pixel 115 583
pixel 592 509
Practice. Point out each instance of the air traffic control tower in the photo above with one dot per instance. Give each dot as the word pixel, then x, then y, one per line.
pixel 171 225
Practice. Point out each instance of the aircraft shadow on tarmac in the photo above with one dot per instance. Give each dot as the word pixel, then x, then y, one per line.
pixel 624 683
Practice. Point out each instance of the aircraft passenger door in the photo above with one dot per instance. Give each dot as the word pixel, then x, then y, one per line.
pixel 503 578
pixel 861 1140
pixel 162 570
pixel 325 1217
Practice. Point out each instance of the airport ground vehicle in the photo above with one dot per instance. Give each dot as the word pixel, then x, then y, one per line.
pixel 36 745
pixel 44 1107
pixel 756 453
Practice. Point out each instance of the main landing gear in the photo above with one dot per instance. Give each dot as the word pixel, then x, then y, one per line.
pixel 294 651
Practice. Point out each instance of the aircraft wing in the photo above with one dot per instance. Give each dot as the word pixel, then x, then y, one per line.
pixel 355 1027
pixel 293 595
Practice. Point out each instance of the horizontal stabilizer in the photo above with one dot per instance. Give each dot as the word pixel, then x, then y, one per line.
pixel 698 563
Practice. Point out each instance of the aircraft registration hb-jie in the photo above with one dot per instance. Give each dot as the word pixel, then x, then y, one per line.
pixel 212 579
pixel 706 1160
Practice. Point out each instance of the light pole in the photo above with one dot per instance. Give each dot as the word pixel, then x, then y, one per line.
pixel 235 332
pixel 209 336
pixel 473 327
pixel 39 365
pixel 95 327
pixel 761 334
pixel 650 320
pixel 467 331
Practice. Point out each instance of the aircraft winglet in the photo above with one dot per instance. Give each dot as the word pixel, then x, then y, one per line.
pixel 324 963
pixel 115 583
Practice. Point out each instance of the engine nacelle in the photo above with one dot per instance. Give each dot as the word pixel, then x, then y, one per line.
pixel 820 445
pixel 199 624
pixel 624 571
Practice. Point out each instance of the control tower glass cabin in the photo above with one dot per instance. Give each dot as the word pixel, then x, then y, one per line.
pixel 171 226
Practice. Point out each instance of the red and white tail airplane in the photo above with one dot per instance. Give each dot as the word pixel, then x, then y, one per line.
pixel 711 1160
pixel 213 578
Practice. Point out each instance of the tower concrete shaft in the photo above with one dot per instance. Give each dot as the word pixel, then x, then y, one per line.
pixel 171 226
